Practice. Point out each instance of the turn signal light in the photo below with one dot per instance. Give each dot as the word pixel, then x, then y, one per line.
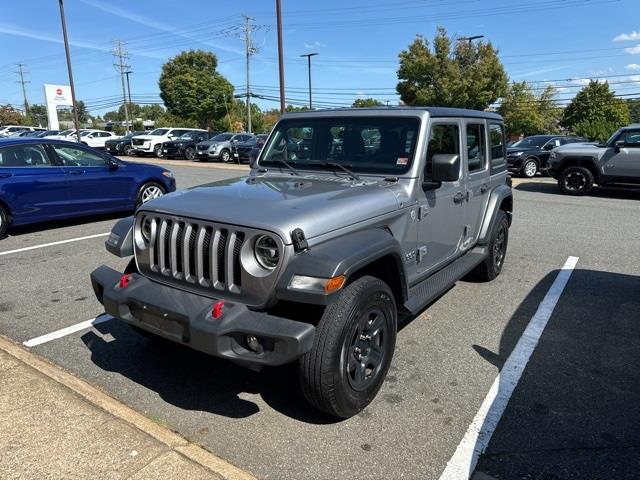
pixel 216 311
pixel 124 280
pixel 334 284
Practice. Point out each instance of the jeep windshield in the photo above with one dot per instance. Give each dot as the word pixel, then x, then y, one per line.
pixel 375 145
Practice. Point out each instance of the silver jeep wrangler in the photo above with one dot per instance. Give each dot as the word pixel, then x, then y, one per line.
pixel 347 218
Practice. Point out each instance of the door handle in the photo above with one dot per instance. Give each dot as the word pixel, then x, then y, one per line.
pixel 76 172
pixel 484 188
pixel 458 197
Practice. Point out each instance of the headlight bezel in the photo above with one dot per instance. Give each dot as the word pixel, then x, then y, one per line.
pixel 267 263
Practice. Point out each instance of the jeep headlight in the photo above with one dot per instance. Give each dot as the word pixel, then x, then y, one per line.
pixel 145 229
pixel 267 252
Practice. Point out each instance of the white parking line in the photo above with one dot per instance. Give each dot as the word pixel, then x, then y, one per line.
pixel 67 331
pixel 52 244
pixel 477 437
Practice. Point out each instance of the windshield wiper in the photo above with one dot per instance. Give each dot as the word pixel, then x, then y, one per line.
pixel 344 169
pixel 286 164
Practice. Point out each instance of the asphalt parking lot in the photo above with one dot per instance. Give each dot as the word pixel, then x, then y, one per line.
pixel 573 414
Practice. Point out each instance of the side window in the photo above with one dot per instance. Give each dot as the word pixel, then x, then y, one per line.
pixel 24 156
pixel 77 157
pixel 443 138
pixel 476 147
pixel 632 138
pixel 497 146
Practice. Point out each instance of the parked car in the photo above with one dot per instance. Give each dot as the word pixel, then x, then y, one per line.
pixel 151 143
pixel 248 150
pixel 530 155
pixel 220 146
pixel 121 145
pixel 579 167
pixel 185 145
pixel 96 138
pixel 10 130
pixel 42 179
pixel 311 260
pixel 68 135
pixel 27 133
pixel 47 133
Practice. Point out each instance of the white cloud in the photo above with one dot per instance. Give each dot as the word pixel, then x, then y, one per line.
pixel 632 66
pixel 635 78
pixel 314 44
pixel 24 32
pixel 633 50
pixel 580 81
pixel 626 37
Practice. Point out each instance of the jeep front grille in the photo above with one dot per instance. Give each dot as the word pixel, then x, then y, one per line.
pixel 196 253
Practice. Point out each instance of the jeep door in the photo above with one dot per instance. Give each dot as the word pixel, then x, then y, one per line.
pixel 440 210
pixel 624 165
pixel 476 173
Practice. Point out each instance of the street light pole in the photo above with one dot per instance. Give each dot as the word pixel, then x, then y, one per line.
pixel 309 55
pixel 73 92
pixel 470 39
pixel 280 57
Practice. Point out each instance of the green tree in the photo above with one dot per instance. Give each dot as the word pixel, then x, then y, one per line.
pixel 37 116
pixel 9 115
pixel 191 87
pixel 461 75
pixel 171 120
pixel 366 102
pixel 528 113
pixel 596 104
pixel 634 110
pixel 151 112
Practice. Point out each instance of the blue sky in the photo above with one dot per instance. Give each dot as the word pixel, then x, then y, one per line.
pixel 563 41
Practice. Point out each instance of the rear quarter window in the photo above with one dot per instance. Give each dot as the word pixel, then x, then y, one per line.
pixel 497 146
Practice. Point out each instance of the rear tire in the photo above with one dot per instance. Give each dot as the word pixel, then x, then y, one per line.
pixel 352 349
pixel 575 180
pixel 491 267
pixel 128 151
pixel 157 151
pixel 189 153
pixel 4 221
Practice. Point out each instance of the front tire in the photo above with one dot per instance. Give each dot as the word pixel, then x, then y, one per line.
pixel 149 191
pixel 128 151
pixel 352 349
pixel 225 155
pixel 157 151
pixel 529 168
pixel 4 221
pixel 189 153
pixel 575 180
pixel 491 267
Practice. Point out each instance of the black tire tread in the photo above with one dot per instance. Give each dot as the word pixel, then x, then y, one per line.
pixel 485 272
pixel 585 171
pixel 316 376
pixel 4 225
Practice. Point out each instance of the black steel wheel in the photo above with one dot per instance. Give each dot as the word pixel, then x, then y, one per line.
pixel 352 349
pixel 575 181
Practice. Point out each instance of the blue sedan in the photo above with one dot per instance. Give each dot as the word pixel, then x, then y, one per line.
pixel 43 180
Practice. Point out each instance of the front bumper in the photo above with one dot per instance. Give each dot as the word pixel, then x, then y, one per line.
pixel 186 318
pixel 172 151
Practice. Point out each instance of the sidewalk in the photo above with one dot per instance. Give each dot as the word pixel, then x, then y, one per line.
pixel 54 425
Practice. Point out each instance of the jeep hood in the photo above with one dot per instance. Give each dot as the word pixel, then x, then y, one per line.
pixel 281 204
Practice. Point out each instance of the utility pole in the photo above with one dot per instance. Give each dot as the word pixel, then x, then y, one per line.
pixel 24 90
pixel 73 91
pixel 249 50
pixel 121 66
pixel 309 55
pixel 280 56
pixel 128 87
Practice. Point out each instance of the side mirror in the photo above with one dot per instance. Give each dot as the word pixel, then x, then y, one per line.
pixel 253 161
pixel 619 144
pixel 549 146
pixel 446 167
pixel 113 164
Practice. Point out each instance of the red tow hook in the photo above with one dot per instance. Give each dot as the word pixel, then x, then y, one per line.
pixel 124 280
pixel 216 311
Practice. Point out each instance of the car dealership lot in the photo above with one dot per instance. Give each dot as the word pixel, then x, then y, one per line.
pixel 577 395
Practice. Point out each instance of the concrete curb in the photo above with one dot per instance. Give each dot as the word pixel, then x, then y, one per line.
pixel 187 163
pixel 174 441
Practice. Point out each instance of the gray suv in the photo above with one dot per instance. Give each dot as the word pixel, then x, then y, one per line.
pixel 347 219
pixel 579 167
pixel 220 147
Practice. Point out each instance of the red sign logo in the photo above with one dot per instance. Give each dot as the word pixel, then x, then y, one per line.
pixel 59 91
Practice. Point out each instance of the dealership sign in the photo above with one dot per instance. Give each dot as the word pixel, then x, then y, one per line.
pixel 55 96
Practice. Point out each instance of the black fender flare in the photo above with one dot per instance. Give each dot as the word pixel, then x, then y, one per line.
pixel 343 255
pixel 120 240
pixel 498 197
